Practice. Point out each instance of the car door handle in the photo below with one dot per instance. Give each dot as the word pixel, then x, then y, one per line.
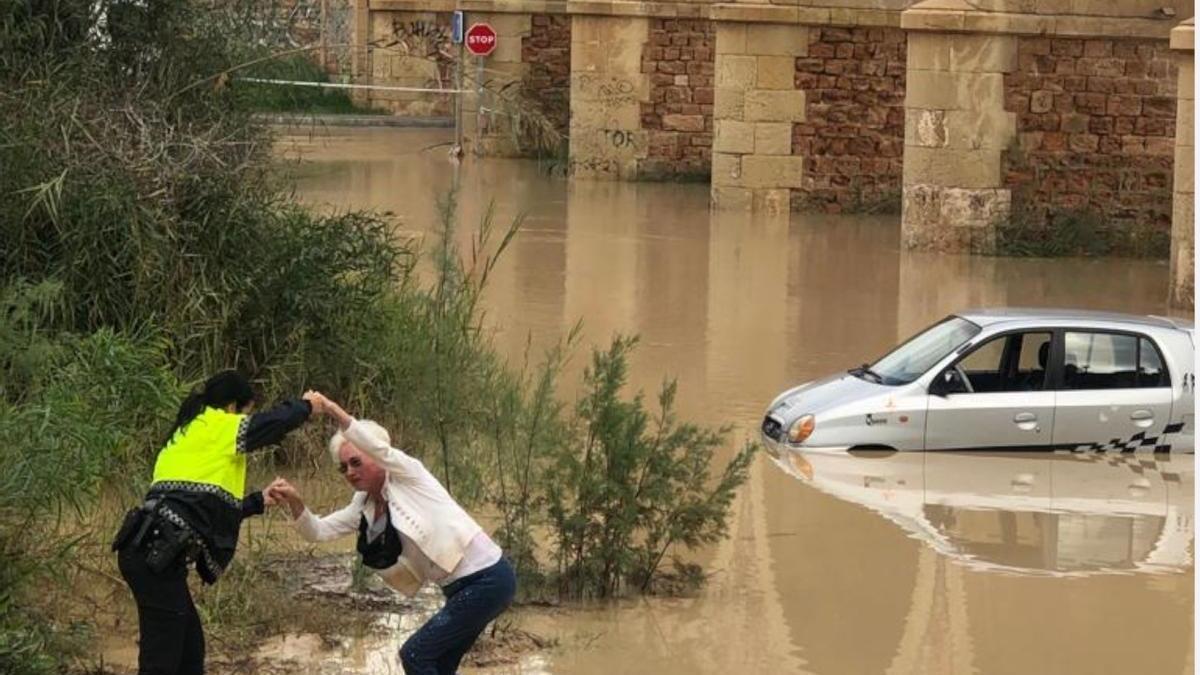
pixel 1142 415
pixel 1024 417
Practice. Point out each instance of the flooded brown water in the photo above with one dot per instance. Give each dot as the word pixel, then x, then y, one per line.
pixel 903 564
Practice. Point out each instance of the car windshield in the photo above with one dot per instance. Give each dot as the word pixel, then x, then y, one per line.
pixel 921 352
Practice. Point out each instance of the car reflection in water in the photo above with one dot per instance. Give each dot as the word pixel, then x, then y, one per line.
pixel 1053 514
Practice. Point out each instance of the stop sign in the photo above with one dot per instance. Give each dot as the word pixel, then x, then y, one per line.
pixel 481 39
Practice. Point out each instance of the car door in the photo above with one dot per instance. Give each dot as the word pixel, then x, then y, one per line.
pixel 1115 392
pixel 1003 401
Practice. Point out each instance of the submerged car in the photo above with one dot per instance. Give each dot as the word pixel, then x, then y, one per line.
pixel 1015 379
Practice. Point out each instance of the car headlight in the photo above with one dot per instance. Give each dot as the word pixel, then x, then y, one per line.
pixel 802 428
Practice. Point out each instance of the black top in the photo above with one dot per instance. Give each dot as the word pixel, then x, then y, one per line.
pixel 384 550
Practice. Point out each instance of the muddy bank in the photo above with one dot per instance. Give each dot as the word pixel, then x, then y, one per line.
pixel 347 623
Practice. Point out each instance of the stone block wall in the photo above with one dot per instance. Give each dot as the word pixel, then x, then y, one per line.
pixel 608 89
pixel 1096 133
pixel 411 53
pixel 852 139
pixel 679 60
pixel 641 97
pixel 547 52
pixel 956 131
pixel 756 107
pixel 1183 220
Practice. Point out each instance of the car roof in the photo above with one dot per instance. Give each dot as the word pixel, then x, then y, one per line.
pixel 984 316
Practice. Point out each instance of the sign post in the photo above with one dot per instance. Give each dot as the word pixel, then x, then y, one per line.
pixel 456 37
pixel 480 41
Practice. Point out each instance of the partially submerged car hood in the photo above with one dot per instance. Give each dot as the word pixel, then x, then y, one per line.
pixel 821 394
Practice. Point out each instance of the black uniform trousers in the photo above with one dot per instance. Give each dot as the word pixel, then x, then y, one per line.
pixel 172 641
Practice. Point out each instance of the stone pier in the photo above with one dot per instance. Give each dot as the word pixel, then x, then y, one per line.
pixel 809 106
pixel 1038 116
pixel 757 105
pixel 608 89
pixel 1183 214
pixel 642 95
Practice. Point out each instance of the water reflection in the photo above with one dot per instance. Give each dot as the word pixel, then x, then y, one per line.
pixel 1058 514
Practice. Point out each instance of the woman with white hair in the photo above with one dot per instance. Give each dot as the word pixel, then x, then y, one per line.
pixel 412 532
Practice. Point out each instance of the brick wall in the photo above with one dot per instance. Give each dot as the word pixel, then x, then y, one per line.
pixel 1095 131
pixel 679 60
pixel 547 50
pixel 852 138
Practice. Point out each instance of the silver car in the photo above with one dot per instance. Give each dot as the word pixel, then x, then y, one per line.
pixel 1018 379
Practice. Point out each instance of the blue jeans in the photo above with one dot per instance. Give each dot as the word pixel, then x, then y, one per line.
pixel 471 604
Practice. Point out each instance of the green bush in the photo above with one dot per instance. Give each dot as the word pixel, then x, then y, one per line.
pixel 1062 233
pixel 636 484
pixel 1036 228
pixel 151 200
pixel 293 98
pixel 75 410
pixel 1078 232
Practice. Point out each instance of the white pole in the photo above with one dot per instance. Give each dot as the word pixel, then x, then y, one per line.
pixel 458 101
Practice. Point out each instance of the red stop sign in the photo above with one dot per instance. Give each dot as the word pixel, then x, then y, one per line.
pixel 481 39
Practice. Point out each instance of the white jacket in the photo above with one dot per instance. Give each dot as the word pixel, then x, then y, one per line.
pixel 420 508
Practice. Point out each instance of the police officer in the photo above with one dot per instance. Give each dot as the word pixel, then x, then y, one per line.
pixel 192 514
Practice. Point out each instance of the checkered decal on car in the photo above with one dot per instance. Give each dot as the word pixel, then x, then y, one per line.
pixel 1134 442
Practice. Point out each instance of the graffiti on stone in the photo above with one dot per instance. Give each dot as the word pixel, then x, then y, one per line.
pixel 609 89
pixel 425 39
pixel 595 165
pixel 619 138
pixel 418 52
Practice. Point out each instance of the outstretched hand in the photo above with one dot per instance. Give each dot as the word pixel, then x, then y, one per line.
pixel 280 491
pixel 316 400
pixel 321 405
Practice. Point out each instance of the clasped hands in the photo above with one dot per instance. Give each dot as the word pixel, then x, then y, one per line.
pixel 280 491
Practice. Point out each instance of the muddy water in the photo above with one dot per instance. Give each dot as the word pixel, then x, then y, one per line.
pixel 910 564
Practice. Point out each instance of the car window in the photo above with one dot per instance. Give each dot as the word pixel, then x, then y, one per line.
pixel 1031 364
pixel 982 366
pixel 1151 371
pixel 1100 361
pixel 923 351
pixel 1012 362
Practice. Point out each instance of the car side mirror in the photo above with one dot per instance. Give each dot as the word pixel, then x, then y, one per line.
pixel 947 382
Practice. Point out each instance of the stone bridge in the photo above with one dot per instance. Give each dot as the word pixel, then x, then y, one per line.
pixel 965 114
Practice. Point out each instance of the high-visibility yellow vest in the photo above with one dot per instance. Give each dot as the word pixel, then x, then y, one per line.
pixel 205 451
